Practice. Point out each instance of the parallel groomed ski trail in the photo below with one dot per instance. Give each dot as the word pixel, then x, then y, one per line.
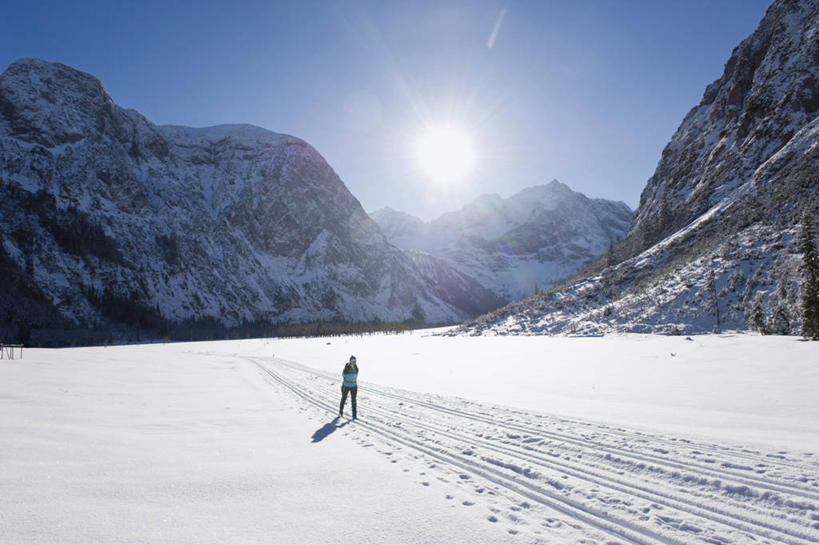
pixel 748 480
pixel 791 534
pixel 600 521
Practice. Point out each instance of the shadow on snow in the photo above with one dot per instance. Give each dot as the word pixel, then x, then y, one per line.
pixel 327 429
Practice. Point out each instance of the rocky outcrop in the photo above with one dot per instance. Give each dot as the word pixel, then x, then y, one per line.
pixel 767 93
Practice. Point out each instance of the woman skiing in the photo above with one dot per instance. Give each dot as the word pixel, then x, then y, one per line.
pixel 350 374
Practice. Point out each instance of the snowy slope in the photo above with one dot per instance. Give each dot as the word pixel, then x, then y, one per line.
pixel 225 442
pixel 725 199
pixel 107 217
pixel 532 239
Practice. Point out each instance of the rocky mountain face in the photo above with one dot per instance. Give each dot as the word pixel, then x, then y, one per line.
pixel 513 246
pixel 712 246
pixel 108 220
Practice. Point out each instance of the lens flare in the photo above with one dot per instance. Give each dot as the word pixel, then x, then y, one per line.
pixel 445 154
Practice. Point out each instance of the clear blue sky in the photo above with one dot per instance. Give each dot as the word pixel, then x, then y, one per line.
pixel 588 92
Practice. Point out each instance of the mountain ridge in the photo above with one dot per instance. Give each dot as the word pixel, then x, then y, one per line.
pixel 516 245
pixel 234 224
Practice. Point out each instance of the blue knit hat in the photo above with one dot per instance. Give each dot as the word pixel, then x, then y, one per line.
pixel 352 359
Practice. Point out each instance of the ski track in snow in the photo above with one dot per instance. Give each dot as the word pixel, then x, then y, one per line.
pixel 548 477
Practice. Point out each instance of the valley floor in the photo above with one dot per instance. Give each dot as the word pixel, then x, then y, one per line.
pixel 237 442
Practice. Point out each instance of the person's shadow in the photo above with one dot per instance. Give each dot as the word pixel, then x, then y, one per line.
pixel 327 429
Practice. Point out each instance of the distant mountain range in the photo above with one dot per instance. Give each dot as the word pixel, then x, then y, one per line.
pixel 712 246
pixel 113 226
pixel 109 222
pixel 514 246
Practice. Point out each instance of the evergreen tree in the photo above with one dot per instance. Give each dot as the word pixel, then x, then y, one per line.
pixel 23 335
pixel 780 323
pixel 611 256
pixel 810 284
pixel 758 319
pixel 711 286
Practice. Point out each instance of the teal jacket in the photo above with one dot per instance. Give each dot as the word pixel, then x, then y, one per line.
pixel 350 375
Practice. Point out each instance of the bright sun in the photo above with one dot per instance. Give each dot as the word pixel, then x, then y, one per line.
pixel 445 154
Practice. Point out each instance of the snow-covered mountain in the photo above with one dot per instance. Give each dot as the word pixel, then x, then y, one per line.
pixel 713 240
pixel 107 218
pixel 533 239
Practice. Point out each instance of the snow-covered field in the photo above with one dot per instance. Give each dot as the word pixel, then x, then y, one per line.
pixel 752 389
pixel 624 439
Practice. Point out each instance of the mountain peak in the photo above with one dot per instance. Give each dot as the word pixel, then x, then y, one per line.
pixel 554 186
pixel 388 210
pixel 393 222
pixel 50 103
pixel 50 80
pixel 537 236
pixel 551 195
pixel 241 133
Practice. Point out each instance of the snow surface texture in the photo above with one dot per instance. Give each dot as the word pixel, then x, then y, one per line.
pixel 166 444
pixel 225 442
pixel 231 223
pixel 724 200
pixel 513 246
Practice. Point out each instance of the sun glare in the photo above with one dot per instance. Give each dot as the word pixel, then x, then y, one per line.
pixel 445 154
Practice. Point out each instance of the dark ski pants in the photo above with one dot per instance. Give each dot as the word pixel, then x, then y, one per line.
pixel 353 392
